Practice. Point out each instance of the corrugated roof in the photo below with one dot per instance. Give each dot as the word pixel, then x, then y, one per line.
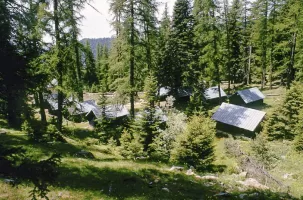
pixel 245 118
pixel 83 107
pixel 213 93
pixel 164 91
pixel 251 95
pixel 184 92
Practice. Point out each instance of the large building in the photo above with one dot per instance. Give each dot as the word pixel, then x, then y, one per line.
pixel 233 118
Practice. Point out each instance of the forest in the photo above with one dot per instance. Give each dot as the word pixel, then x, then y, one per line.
pixel 203 103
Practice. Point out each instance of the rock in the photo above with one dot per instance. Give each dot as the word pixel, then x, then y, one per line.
pixel 84 154
pixel 286 176
pixel 9 181
pixel 165 189
pixel 241 196
pixel 222 194
pixel 207 177
pixel 141 158
pixel 176 168
pixel 243 174
pixel 190 172
pixel 251 182
pixel 283 157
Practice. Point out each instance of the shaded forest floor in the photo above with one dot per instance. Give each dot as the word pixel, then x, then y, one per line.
pixel 109 176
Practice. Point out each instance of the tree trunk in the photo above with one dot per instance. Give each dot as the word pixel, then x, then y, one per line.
pixel 291 70
pixel 227 44
pixel 59 68
pixel 41 105
pixel 132 61
pixel 249 64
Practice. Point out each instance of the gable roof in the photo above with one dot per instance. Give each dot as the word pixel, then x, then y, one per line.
pixel 111 111
pixel 83 107
pixel 238 116
pixel 184 92
pixel 251 95
pixel 213 93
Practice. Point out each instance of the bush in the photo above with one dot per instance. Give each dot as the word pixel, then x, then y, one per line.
pixel 195 146
pixel 163 143
pixel 261 150
pixel 282 123
pixel 131 147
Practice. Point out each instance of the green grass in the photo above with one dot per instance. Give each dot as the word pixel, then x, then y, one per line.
pixel 109 176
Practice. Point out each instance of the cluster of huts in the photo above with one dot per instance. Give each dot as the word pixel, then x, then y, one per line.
pixel 235 116
pixel 88 110
pixel 232 116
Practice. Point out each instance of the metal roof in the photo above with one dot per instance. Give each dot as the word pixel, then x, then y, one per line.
pixel 83 107
pixel 213 93
pixel 184 92
pixel 111 111
pixel 164 91
pixel 251 95
pixel 238 116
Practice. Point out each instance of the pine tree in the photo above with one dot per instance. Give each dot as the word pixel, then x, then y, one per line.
pixel 180 44
pixel 163 71
pixel 90 74
pixel 208 38
pixel 195 146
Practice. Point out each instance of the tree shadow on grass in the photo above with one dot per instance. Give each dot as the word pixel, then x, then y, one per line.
pixel 79 133
pixel 64 149
pixel 124 183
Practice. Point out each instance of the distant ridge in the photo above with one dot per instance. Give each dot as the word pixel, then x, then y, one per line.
pixel 95 41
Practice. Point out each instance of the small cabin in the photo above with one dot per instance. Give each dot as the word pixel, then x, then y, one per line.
pixel 184 93
pixel 211 95
pixel 78 112
pixel 113 112
pixel 252 96
pixel 238 119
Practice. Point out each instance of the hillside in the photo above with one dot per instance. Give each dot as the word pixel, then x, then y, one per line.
pixel 108 175
pixel 95 41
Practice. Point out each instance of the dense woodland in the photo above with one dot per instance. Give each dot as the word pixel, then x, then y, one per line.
pixel 230 44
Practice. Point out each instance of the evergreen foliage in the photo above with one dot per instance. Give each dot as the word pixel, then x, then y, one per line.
pixel 281 124
pixel 195 146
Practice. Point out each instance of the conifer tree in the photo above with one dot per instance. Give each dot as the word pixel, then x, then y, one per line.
pixel 91 72
pixel 180 43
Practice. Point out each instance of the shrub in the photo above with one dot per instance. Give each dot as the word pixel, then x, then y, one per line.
pixel 163 143
pixel 261 150
pixel 195 146
pixel 282 123
pixel 131 147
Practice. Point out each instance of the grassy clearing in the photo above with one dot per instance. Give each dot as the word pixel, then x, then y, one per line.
pixel 109 176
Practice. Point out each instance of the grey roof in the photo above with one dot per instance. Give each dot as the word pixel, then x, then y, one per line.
pixel 164 91
pixel 184 92
pixel 251 95
pixel 238 116
pixel 213 93
pixel 52 100
pixel 111 111
pixel 83 107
